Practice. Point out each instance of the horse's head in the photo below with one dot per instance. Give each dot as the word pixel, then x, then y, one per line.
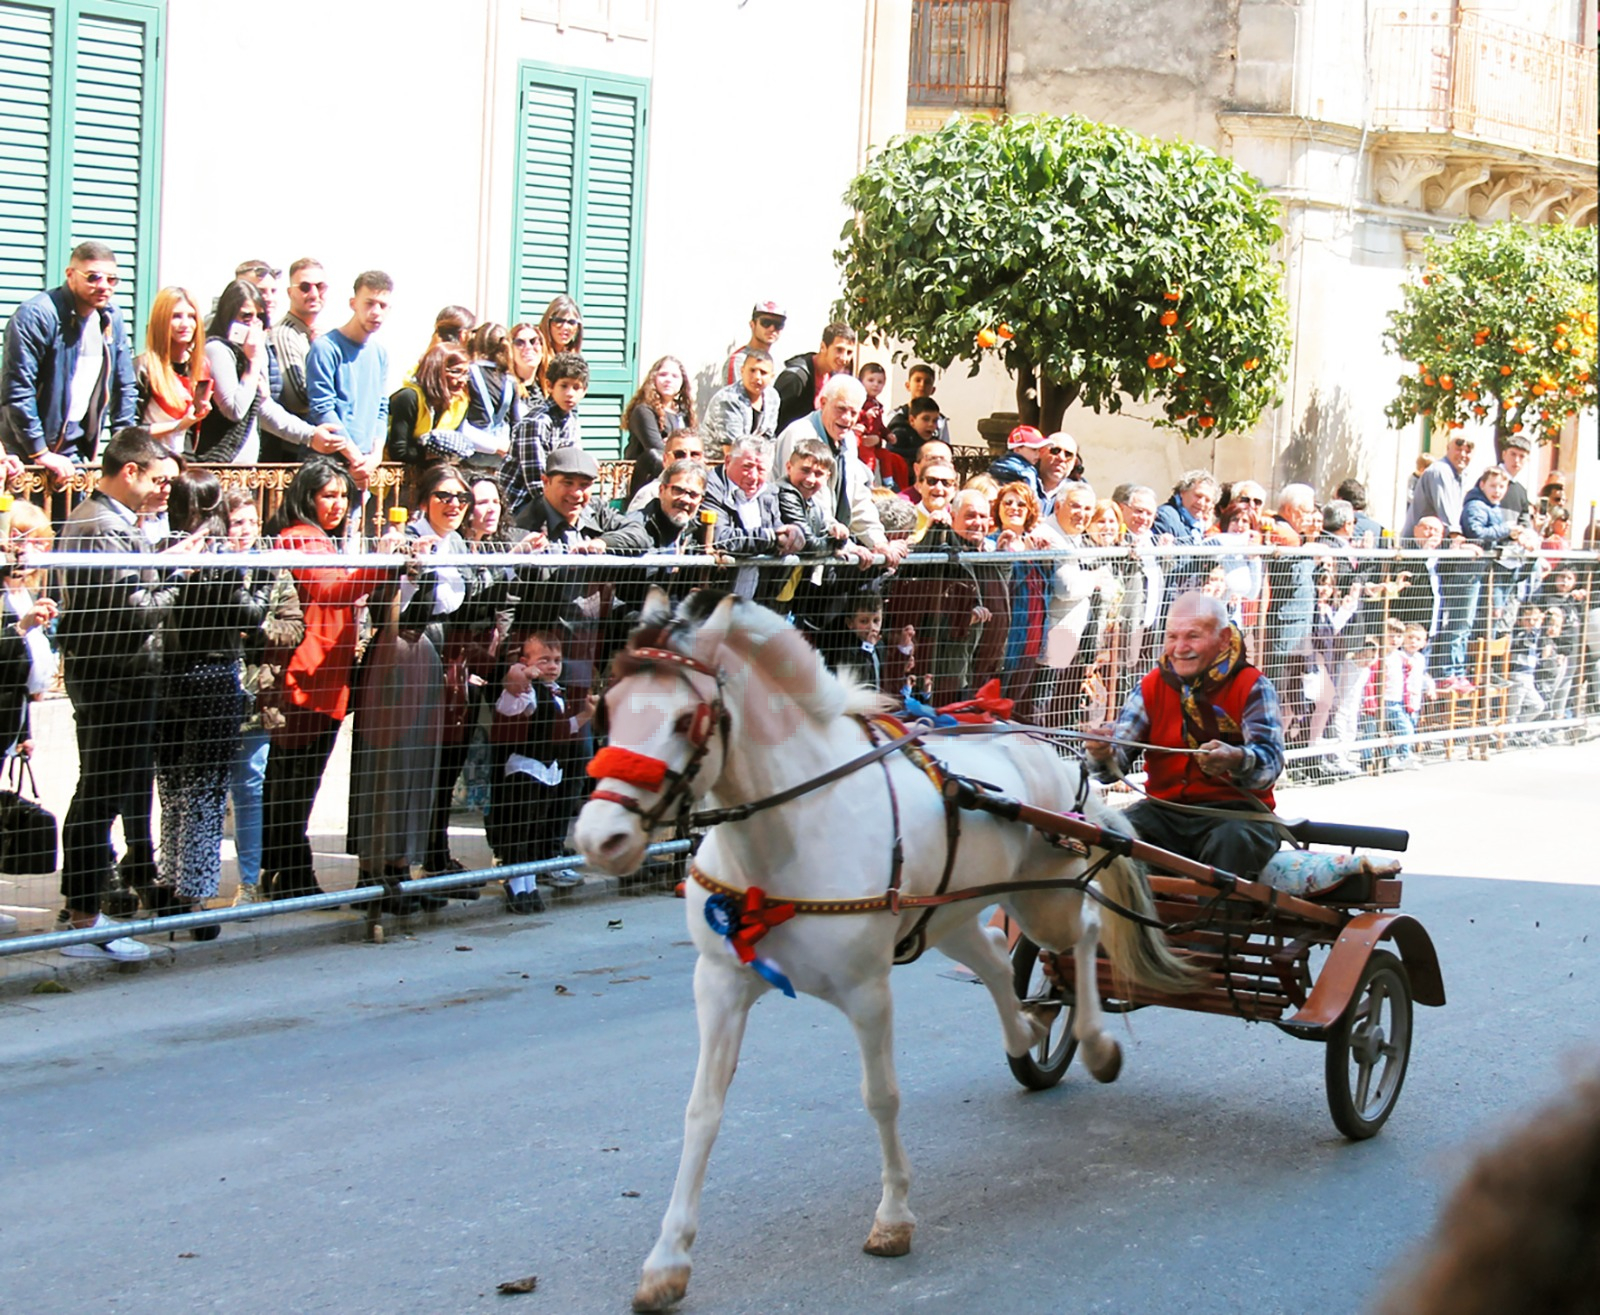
pixel 665 720
pixel 687 693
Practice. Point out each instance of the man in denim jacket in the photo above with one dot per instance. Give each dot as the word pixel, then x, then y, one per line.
pixel 68 367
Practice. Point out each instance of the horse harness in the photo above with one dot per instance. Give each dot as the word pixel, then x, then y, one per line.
pixel 887 734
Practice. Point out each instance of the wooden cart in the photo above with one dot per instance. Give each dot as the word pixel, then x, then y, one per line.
pixel 1344 968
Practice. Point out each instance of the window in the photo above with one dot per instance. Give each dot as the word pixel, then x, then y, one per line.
pixel 80 135
pixel 579 225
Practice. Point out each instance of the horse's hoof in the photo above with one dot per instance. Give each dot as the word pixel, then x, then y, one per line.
pixel 661 1289
pixel 889 1240
pixel 1104 1061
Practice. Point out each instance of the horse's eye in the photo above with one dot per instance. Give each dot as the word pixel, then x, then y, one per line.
pixel 684 722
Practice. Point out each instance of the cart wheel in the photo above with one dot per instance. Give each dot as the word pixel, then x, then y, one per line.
pixel 1368 1048
pixel 1045 1065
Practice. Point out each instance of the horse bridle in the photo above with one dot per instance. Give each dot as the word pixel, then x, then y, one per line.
pixel 710 717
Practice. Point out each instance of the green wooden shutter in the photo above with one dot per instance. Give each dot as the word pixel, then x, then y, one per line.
pixel 579 225
pixel 108 154
pixel 80 137
pixel 26 46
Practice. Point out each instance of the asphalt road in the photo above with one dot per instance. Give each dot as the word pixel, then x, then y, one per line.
pixel 398 1128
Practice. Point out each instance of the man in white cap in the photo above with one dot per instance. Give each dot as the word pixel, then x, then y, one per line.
pixel 1021 461
pixel 767 319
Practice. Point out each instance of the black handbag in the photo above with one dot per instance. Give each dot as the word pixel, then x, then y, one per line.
pixel 28 843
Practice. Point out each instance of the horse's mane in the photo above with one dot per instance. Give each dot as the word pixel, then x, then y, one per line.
pixel 831 695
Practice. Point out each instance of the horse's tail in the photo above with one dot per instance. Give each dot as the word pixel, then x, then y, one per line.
pixel 1139 951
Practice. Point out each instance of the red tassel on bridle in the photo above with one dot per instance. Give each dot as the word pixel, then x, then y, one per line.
pixel 613 763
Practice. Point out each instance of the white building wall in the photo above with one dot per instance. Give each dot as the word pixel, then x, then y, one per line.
pixel 384 136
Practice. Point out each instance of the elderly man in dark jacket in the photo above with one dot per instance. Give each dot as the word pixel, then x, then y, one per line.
pixel 68 367
pixel 110 619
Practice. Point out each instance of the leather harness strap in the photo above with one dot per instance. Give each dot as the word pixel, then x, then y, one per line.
pixel 909 948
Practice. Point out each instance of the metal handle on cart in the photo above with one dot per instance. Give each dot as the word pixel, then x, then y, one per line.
pixel 1357 837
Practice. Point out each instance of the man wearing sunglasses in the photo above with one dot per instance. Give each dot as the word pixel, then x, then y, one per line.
pixel 767 319
pixel 290 340
pixel 68 367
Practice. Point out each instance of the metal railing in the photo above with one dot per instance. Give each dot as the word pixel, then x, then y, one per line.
pixel 1435 71
pixel 1067 642
pixel 958 53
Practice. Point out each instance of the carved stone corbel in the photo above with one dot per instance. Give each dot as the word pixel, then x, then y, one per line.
pixel 1449 195
pixel 1494 202
pixel 1398 177
pixel 1536 206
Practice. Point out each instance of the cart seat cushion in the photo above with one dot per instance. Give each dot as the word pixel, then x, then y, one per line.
pixel 1310 873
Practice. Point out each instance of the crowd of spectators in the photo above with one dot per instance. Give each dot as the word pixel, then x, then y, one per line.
pixel 799 484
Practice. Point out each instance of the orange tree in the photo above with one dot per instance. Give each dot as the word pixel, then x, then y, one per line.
pixel 1499 327
pixel 1095 264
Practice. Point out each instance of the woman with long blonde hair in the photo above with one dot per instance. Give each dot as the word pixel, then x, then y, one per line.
pixel 172 368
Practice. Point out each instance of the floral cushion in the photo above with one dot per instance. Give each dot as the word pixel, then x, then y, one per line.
pixel 1310 872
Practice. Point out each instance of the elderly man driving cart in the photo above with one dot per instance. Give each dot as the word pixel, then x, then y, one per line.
pixel 1209 726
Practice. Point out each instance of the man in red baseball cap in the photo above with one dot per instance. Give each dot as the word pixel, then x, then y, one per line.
pixel 767 319
pixel 1021 461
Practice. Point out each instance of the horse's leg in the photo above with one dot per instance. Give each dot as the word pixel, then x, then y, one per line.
pixel 870 1008
pixel 983 949
pixel 723 994
pixel 1102 1056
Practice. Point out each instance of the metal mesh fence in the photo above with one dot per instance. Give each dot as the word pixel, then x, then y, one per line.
pixel 215 727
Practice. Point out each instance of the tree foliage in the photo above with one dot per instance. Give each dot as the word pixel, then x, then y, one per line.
pixel 1499 326
pixel 1096 264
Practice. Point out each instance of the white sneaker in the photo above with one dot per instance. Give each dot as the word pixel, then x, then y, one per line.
pixel 565 879
pixel 249 892
pixel 124 949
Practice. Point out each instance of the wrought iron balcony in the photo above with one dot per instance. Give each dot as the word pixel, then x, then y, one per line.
pixel 1484 80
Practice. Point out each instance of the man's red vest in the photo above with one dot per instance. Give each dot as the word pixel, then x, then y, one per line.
pixel 1178 775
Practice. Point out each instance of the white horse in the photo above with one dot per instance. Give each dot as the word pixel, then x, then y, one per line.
pixel 736 706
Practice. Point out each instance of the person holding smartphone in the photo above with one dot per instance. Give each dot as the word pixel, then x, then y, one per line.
pixel 236 357
pixel 174 383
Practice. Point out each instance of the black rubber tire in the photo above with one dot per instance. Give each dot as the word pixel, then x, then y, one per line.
pixel 1369 1048
pixel 1046 1064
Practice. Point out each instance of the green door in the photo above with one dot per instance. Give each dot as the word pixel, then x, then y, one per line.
pixel 80 139
pixel 580 223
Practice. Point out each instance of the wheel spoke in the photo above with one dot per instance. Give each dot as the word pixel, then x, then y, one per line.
pixel 1363 1081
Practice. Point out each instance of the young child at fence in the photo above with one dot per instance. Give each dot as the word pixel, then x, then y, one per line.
pixel 1369 714
pixel 1406 685
pixel 854 643
pixel 536 780
pixel 1524 702
pixel 811 592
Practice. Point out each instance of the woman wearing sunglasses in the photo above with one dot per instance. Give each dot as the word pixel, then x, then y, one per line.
pixel 561 330
pixel 409 704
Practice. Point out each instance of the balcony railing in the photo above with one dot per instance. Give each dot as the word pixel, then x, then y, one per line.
pixel 1483 79
pixel 958 53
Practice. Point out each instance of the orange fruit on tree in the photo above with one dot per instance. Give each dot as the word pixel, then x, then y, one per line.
pixel 1169 317
pixel 1517 428
pixel 1446 382
pixel 1205 422
pixel 1252 362
pixel 986 338
pixel 1173 294
pixel 1505 369
pixel 1003 332
pixel 1157 360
